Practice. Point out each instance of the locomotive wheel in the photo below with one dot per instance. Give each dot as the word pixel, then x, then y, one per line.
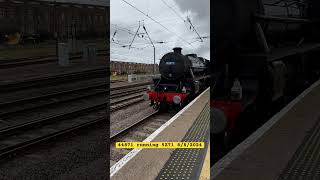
pixel 163 107
pixel 223 141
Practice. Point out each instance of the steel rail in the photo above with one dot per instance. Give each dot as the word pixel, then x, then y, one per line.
pixel 54 118
pixel 37 60
pixel 115 108
pixel 53 79
pixel 42 139
pixel 127 129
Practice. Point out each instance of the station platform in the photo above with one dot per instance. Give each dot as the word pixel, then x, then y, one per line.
pixel 191 124
pixel 286 147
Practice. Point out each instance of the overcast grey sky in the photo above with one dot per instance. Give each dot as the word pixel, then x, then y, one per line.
pixel 125 21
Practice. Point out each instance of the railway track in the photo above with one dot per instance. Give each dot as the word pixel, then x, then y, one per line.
pixel 53 80
pixel 32 103
pixel 127 91
pixel 131 96
pixel 125 103
pixel 117 81
pixel 99 89
pixel 130 85
pixel 21 136
pixel 137 131
pixel 39 60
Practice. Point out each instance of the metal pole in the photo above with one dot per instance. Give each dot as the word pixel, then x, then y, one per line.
pixel 154 50
pixel 154 60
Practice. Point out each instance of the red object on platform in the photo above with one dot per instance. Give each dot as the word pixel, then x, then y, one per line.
pixel 231 109
pixel 166 96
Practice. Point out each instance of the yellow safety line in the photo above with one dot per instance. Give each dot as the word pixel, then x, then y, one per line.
pixel 205 172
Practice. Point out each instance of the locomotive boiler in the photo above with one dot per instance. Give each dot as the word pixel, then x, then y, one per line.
pixel 182 77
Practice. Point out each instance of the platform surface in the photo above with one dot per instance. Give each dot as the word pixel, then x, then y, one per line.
pixel 148 163
pixel 285 148
pixel 187 163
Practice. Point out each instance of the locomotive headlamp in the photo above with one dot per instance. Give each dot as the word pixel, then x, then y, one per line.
pixel 219 121
pixel 146 97
pixel 184 90
pixel 176 99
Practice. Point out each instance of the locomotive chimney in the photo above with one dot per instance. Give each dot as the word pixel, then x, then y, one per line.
pixel 177 50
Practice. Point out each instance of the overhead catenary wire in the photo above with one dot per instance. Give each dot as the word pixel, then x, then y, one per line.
pixel 154 49
pixel 140 43
pixel 173 4
pixel 117 27
pixel 185 22
pixel 194 28
pixel 135 35
pixel 124 45
pixel 164 2
pixel 158 23
pixel 163 21
pixel 113 35
pixel 157 41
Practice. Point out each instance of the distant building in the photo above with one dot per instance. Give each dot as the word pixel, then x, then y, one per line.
pixel 119 67
pixel 51 18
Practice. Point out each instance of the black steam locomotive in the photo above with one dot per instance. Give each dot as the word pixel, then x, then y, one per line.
pixel 266 51
pixel 182 77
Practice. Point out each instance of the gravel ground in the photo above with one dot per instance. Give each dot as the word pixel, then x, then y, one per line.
pixel 80 156
pixel 122 118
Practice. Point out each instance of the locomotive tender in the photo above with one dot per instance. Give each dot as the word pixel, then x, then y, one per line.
pixel 182 77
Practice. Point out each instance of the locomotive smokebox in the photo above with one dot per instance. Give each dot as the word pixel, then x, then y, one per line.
pixel 174 65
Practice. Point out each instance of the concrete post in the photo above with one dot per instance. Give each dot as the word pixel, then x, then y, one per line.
pixel 90 52
pixel 132 78
pixel 85 52
pixel 63 54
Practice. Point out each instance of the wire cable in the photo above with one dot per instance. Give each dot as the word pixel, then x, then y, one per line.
pixel 157 22
pixel 194 29
pixel 173 10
